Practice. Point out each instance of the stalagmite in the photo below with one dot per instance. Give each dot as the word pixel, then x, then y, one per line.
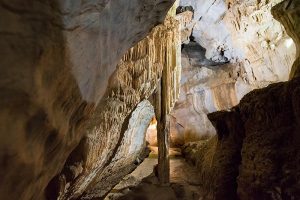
pixel 167 93
pixel 136 78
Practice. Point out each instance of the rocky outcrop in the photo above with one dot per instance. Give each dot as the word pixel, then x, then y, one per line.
pixel 258 140
pixel 56 60
pixel 210 31
pixel 271 152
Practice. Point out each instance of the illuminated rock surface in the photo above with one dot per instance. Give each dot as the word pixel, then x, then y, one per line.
pixel 256 152
pixel 258 50
pixel 79 78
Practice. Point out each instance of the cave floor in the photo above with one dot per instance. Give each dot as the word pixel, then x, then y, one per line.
pixel 142 184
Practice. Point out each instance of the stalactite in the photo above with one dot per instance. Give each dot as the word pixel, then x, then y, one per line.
pixel 160 48
pixel 136 78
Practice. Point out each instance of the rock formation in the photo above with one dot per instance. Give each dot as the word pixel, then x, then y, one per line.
pixel 129 152
pixel 256 152
pixel 290 21
pixel 268 51
pixel 135 79
pixel 56 61
pixel 186 25
pixel 257 46
pixel 205 89
pixel 243 31
pixel 80 82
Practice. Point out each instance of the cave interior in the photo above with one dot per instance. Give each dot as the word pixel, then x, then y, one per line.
pixel 150 100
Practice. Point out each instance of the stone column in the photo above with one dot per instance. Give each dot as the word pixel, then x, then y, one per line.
pixel 168 51
pixel 163 133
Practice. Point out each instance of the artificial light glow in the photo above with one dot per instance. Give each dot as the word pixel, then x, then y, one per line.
pixel 151 134
pixel 153 126
pixel 289 42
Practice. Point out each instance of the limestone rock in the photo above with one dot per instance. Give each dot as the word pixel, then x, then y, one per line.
pixel 151 134
pixel 135 79
pixel 176 133
pixel 268 51
pixel 244 31
pixel 219 157
pixel 56 60
pixel 129 152
pixel 262 134
pixel 271 152
pixel 290 21
pixel 242 26
pixel 205 87
pixel 186 25
pixel 259 142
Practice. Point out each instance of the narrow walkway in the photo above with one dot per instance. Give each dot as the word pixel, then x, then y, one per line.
pixel 142 184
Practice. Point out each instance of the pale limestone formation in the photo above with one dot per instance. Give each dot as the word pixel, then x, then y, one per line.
pixel 186 25
pixel 256 152
pixel 242 26
pixel 56 60
pixel 135 79
pixel 129 152
pixel 291 22
pixel 268 51
pixel 210 31
pixel 165 97
pixel 204 89
pixel 244 31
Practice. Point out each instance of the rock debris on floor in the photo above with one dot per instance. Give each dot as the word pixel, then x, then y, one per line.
pixel 142 184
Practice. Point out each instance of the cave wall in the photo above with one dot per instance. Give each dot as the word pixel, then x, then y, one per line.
pixel 269 52
pixel 259 138
pixel 290 21
pixel 245 48
pixel 205 89
pixel 136 78
pixel 56 61
pixel 244 31
pixel 130 152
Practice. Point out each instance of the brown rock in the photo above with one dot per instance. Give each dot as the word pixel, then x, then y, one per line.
pixel 56 59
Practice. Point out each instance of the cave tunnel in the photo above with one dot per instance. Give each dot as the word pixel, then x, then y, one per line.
pixel 149 100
